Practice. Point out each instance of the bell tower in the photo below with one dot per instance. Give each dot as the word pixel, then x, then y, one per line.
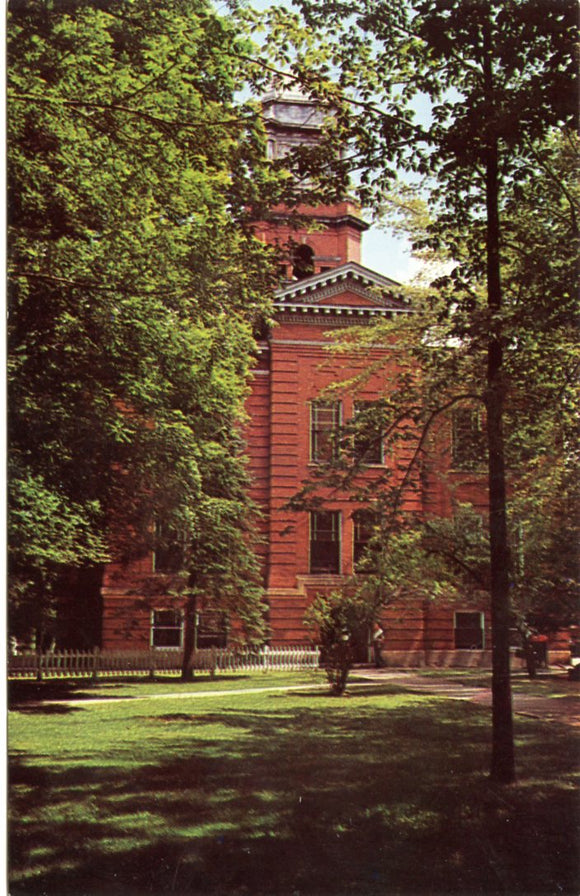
pixel 334 239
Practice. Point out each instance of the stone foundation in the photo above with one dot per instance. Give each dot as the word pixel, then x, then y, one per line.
pixel 445 659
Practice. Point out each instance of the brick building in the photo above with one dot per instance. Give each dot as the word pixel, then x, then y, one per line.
pixel 325 290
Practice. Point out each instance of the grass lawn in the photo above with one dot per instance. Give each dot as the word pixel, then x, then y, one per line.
pixel 270 793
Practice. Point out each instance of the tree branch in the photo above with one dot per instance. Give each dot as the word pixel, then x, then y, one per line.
pixel 166 124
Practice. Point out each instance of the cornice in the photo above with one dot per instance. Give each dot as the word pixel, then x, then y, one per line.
pixel 336 317
pixel 378 290
pixel 328 220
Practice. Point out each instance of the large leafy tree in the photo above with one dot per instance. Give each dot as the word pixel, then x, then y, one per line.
pixel 540 274
pixel 539 263
pixel 135 283
pixel 495 77
pixel 542 403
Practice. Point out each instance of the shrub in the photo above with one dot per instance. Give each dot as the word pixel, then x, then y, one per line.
pixel 336 618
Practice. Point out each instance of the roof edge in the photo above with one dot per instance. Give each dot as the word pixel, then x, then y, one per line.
pixel 352 270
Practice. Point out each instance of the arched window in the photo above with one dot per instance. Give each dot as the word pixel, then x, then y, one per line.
pixel 303 262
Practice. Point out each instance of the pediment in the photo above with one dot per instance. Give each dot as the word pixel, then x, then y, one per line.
pixel 348 286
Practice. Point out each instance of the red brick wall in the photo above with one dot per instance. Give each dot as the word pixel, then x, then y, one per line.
pixel 290 372
pixel 127 620
pixel 299 369
pixel 257 436
pixel 404 627
pixel 336 244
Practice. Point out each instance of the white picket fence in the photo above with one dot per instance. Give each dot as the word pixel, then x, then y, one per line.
pixel 96 663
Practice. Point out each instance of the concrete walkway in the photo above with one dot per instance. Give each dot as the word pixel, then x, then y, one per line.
pixel 184 695
pixel 562 706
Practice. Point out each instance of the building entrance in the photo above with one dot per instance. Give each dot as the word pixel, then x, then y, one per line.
pixel 361 643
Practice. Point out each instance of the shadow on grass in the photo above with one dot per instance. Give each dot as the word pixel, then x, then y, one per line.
pixel 299 800
pixel 23 691
pixel 47 709
pixel 28 691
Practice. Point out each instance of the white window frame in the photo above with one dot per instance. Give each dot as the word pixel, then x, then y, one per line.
pixel 338 517
pixel 153 628
pixel 316 404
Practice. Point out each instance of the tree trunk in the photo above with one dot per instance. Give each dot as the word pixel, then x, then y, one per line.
pixel 502 760
pixel 502 763
pixel 530 656
pixel 189 637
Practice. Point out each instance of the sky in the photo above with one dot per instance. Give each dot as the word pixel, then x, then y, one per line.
pixel 388 255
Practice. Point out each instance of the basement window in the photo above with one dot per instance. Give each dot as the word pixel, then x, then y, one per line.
pixel 212 629
pixel 469 631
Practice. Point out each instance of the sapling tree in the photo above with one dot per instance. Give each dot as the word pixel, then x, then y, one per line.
pixel 334 620
pixel 397 566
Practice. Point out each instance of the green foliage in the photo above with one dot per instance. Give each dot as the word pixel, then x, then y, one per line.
pixel 46 532
pixel 542 408
pixel 402 564
pixel 135 282
pixel 335 619
pixel 224 568
pixel 547 529
pixel 541 404
pixel 396 566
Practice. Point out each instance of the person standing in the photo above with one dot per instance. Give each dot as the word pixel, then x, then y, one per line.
pixel 378 640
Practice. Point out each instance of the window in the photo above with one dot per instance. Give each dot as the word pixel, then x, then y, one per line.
pixel 365 527
pixel 166 628
pixel 368 442
pixel 468 435
pixel 325 541
pixel 168 556
pixel 470 535
pixel 212 630
pixel 324 424
pixel 303 262
pixel 469 632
